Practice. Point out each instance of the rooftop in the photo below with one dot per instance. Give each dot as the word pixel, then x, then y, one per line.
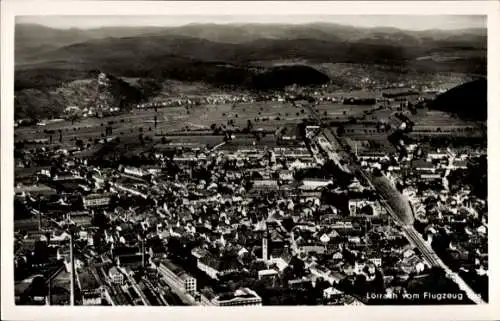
pixel 243 293
pixel 87 280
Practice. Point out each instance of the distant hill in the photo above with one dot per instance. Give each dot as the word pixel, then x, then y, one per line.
pixel 468 101
pixel 31 40
pixel 40 93
pixel 164 56
pixel 46 102
pixel 240 43
pixel 280 77
pixel 232 55
pixel 248 32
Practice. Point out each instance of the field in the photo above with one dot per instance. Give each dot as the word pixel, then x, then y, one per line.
pixel 426 118
pixel 176 126
pixel 342 112
pixel 133 123
pixel 192 126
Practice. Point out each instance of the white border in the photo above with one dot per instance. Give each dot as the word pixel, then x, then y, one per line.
pixel 9 9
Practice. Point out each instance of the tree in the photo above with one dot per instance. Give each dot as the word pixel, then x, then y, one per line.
pixel 79 143
pixel 340 130
pixel 38 287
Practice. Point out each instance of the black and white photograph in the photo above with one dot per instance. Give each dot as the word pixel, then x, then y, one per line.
pixel 233 160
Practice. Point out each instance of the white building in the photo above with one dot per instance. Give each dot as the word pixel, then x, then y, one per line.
pixel 313 184
pixel 267 273
pixel 240 297
pixel 115 276
pixel 181 278
pixel 95 200
pixel 134 171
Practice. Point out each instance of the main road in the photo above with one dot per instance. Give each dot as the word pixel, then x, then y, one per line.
pixel 396 205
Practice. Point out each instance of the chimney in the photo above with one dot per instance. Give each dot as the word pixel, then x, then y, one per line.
pixel 72 270
pixel 142 253
pixel 264 246
pixel 48 299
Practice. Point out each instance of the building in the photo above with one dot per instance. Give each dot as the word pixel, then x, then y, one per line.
pixel 138 172
pixel 96 200
pixel 332 293
pixel 215 266
pixel 265 184
pixel 286 176
pixel 373 156
pixel 131 190
pixel 263 274
pixel 423 166
pixel 363 207
pixel 240 297
pixel 376 261
pixel 131 261
pixel 313 184
pixel 178 276
pixel 91 290
pixel 33 190
pixel 303 163
pixel 115 276
pixel 80 218
pixel 431 177
pixel 459 164
pixel 437 155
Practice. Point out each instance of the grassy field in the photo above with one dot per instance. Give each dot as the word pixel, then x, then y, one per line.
pixel 265 115
pixel 168 119
pixel 341 111
pixel 436 118
pixel 128 127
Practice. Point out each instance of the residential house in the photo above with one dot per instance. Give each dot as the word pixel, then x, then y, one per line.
pixel 96 200
pixel 214 266
pixel 115 276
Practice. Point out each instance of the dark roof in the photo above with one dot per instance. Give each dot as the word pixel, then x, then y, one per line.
pixel 87 280
pixel 98 196
pixel 124 251
pixel 132 258
pixel 221 263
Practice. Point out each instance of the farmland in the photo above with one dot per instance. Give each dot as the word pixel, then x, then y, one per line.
pixel 169 120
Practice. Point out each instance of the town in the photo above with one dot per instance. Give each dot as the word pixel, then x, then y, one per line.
pixel 307 196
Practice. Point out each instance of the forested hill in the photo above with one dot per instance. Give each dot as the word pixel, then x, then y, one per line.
pixel 468 101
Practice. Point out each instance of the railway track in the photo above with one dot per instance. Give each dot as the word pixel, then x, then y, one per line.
pixel 400 211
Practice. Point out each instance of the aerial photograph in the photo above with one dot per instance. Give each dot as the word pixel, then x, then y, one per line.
pixel 299 160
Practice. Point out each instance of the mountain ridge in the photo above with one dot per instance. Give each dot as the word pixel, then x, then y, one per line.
pixel 47 58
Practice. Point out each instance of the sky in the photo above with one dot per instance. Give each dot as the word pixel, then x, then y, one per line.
pixel 444 22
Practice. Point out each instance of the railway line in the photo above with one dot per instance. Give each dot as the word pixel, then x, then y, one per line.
pixel 399 209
